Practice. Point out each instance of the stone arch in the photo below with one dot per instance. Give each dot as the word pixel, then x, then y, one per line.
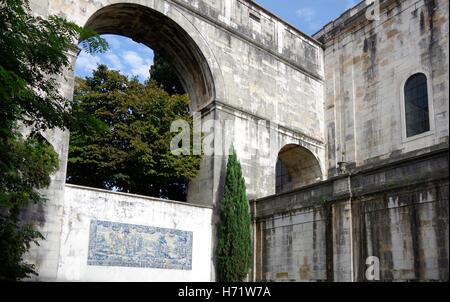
pixel 161 33
pixel 296 167
pixel 164 26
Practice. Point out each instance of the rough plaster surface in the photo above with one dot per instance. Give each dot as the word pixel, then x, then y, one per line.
pixel 83 205
pixel 397 212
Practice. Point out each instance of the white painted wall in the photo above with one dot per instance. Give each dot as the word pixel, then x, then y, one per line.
pixel 82 205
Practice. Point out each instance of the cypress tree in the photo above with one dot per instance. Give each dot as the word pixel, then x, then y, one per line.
pixel 234 252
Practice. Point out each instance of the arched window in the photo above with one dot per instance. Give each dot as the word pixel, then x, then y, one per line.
pixel 416 105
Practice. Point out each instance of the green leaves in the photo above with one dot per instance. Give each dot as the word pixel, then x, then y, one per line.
pixel 15 240
pixel 163 74
pixel 25 165
pixel 133 153
pixel 234 251
pixel 33 54
pixel 91 42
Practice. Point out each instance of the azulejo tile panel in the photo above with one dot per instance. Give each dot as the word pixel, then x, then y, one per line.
pixel 127 245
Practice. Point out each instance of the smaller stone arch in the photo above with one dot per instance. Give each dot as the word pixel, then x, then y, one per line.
pixel 296 167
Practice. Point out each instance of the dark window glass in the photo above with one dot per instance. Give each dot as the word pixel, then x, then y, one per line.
pixel 283 180
pixel 416 105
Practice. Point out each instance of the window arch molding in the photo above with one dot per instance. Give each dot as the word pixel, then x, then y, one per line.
pixel 402 98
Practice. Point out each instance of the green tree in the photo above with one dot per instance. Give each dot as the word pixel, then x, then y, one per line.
pixel 32 49
pixel 33 53
pixel 25 166
pixel 234 251
pixel 133 155
pixel 163 74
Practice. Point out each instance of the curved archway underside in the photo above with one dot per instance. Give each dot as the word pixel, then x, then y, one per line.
pixel 301 165
pixel 167 38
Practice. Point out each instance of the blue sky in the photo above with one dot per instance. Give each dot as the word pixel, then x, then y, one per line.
pixel 308 15
pixel 131 58
pixel 135 59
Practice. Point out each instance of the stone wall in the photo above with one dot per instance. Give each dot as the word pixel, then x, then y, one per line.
pixel 110 236
pixel 340 98
pixel 238 61
pixel 366 66
pixel 396 211
pixel 261 68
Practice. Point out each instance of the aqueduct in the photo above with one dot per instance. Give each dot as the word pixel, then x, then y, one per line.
pixel 308 104
pixel 236 62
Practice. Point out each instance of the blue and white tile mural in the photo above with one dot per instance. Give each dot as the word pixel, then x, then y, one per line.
pixel 119 244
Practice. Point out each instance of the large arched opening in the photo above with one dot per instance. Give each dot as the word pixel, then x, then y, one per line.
pixel 164 36
pixel 296 167
pixel 168 39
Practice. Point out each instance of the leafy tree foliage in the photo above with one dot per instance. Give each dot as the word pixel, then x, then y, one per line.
pixel 234 251
pixel 25 166
pixel 31 49
pixel 33 52
pixel 133 154
pixel 163 74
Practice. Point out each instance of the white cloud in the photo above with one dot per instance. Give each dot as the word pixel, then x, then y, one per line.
pixel 114 61
pixel 138 65
pixel 87 62
pixel 308 15
pixel 113 41
pixel 142 71
pixel 130 58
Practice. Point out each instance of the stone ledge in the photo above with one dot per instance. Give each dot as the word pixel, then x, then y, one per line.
pixel 406 173
pixel 138 196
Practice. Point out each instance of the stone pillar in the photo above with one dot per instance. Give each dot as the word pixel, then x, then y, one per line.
pixel 48 216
